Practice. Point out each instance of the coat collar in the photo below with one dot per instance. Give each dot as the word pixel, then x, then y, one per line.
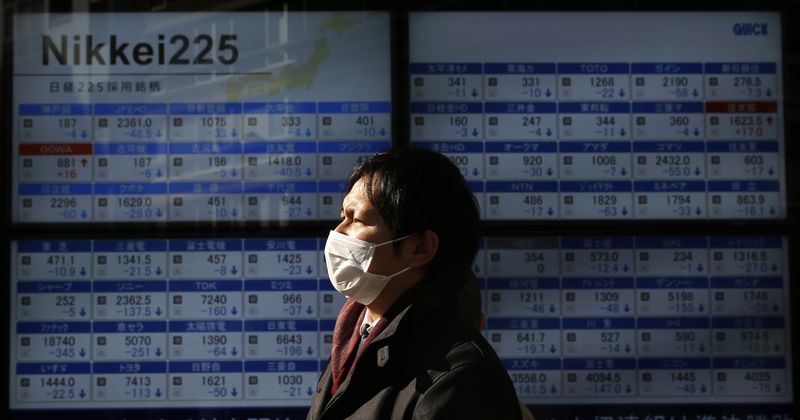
pixel 418 302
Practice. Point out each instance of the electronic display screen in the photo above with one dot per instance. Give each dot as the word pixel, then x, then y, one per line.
pixel 259 116
pixel 248 322
pixel 170 117
pixel 610 115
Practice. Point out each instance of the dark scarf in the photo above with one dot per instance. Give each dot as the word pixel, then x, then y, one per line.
pixel 345 350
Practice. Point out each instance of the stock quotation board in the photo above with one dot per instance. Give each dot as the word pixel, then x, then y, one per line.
pixel 580 116
pixel 164 117
pixel 248 322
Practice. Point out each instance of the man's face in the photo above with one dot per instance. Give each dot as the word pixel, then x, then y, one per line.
pixel 361 220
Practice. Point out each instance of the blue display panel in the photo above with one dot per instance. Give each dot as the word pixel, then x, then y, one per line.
pixel 584 116
pixel 223 117
pixel 248 322
pixel 641 319
pixel 169 323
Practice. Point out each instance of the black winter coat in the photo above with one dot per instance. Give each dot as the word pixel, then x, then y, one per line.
pixel 429 362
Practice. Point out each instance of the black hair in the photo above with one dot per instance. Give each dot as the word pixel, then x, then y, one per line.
pixel 415 190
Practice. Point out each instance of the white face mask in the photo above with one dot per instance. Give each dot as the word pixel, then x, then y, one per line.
pixel 348 260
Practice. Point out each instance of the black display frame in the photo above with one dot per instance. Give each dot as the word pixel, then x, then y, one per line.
pixel 787 226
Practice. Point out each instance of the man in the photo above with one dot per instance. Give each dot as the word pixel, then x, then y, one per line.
pixel 404 345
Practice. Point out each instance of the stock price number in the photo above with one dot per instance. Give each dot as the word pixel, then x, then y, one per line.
pixel 674 165
pixel 66 205
pixel 292 303
pixel 291 385
pixel 287 166
pixel 606 85
pixel 138 207
pixel 67 122
pixel 290 344
pixel 217 161
pixel 216 124
pixel 678 84
pixel 213 122
pixel 60 387
pixel 145 163
pixel 747 125
pixel 217 385
pixel 604 261
pixel 536 259
pixel 531 342
pixel 607 204
pixel 679 120
pixel 686 382
pixel 533 301
pixel 529 383
pixel 460 123
pixel 63 347
pixel 604 382
pixel 606 125
pixel 67 168
pixel 136 265
pixel 604 160
pixel 139 387
pixel 535 204
pixel 751 204
pixel 757 341
pixel 680 296
pixel 751 85
pixel 681 202
pixel 456 81
pixel 755 164
pixel 218 205
pixel 282 161
pixel 134 305
pixel 291 121
pixel 142 162
pixel 61 265
pixel 63 203
pixel 293 204
pixel 217 342
pixel 457 86
pixel 603 256
pixel 531 85
pixel 687 342
pixel 366 125
pixel 761 381
pixel 533 165
pixel 218 263
pixel 757 300
pixel 292 263
pixel 214 304
pixel 533 123
pixel 69 304
pixel 134 122
pixel 609 300
pixel 461 161
pixel 674 81
pixel 138 345
pixel 752 261
pixel 610 341
pixel 682 301
pixel 134 259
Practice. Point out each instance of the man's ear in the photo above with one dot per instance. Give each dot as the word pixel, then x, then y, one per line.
pixel 423 248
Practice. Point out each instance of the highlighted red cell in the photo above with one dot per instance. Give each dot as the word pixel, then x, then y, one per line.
pixel 55 149
pixel 741 107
